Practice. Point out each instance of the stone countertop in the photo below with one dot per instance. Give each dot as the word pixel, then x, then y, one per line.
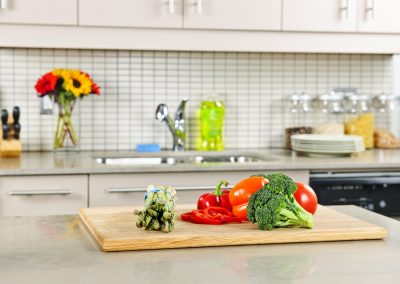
pixel 56 250
pixel 48 163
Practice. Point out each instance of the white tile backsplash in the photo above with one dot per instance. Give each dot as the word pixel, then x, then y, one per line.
pixel 133 83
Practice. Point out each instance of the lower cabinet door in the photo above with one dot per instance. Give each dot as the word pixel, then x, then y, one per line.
pixel 43 195
pixel 129 189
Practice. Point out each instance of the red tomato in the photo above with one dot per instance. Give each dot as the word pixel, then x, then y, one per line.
pixel 306 197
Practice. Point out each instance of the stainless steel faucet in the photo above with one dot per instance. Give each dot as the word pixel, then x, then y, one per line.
pixel 177 126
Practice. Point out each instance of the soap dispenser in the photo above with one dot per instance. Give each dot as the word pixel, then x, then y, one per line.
pixel 211 116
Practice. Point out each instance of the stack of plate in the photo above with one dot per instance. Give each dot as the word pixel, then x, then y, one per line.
pixel 331 145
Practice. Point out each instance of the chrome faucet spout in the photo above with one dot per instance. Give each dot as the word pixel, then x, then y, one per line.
pixel 177 126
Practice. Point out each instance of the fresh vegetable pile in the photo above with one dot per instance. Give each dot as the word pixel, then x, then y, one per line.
pixel 275 205
pixel 213 208
pixel 158 213
pixel 270 201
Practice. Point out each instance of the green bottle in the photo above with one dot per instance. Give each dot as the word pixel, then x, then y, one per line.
pixel 211 125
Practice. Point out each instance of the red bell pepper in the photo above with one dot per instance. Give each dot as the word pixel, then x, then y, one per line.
pixel 240 194
pixel 210 216
pixel 201 218
pixel 219 198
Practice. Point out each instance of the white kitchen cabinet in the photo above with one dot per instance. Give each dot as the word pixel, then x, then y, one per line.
pixel 131 13
pixel 43 195
pixel 129 189
pixel 232 15
pixel 44 12
pixel 380 16
pixel 320 15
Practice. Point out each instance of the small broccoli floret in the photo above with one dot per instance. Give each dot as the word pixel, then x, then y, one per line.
pixel 271 209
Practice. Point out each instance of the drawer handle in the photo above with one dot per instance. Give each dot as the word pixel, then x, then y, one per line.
pixel 40 192
pixel 171 7
pixel 344 8
pixel 177 188
pixel 369 10
pixel 3 4
pixel 126 190
pixel 199 7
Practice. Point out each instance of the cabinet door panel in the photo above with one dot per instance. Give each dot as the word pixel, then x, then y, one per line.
pixel 233 15
pixel 131 13
pixel 320 15
pixel 43 195
pixel 379 16
pixel 46 12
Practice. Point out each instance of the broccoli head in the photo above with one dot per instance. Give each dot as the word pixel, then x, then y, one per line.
pixel 270 209
pixel 280 183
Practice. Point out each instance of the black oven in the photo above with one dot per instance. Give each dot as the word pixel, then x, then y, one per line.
pixel 379 192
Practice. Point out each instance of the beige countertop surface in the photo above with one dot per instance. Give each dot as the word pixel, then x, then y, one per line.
pixel 48 163
pixel 54 249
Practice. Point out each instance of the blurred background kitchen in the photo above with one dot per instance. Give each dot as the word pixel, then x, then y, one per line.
pixel 301 86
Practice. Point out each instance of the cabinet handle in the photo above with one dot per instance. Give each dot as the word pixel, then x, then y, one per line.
pixel 126 190
pixel 344 8
pixel 369 9
pixel 40 192
pixel 171 7
pixel 3 4
pixel 178 188
pixel 199 7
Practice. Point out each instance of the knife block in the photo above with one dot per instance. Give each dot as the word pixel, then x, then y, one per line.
pixel 11 147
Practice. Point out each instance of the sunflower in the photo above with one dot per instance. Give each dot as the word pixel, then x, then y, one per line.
pixel 78 83
pixel 62 73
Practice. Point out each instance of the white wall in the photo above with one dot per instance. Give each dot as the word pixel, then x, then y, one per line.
pixel 133 83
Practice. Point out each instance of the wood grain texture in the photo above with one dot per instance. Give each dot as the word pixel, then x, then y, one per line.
pixel 114 229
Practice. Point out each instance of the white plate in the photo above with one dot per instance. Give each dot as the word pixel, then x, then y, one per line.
pixel 320 138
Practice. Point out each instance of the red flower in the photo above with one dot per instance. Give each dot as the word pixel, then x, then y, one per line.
pixel 95 89
pixel 47 83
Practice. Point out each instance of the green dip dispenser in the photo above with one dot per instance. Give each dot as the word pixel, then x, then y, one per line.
pixel 211 116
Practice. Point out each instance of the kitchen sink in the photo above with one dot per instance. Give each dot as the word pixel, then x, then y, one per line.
pixel 173 160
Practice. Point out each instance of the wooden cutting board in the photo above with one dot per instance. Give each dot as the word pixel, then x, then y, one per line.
pixel 114 229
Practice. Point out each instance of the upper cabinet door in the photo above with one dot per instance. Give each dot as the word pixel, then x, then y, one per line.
pixel 320 15
pixel 232 14
pixel 42 12
pixel 131 13
pixel 379 16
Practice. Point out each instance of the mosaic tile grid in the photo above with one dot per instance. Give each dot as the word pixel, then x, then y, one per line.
pixel 252 85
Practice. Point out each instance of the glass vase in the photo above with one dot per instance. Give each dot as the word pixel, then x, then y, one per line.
pixel 65 136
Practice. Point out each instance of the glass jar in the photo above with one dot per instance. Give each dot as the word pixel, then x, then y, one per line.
pixel 387 121
pixel 298 116
pixel 360 119
pixel 386 109
pixel 329 111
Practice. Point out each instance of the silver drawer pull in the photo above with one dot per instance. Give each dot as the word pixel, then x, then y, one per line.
pixel 370 10
pixel 199 7
pixel 177 188
pixel 199 187
pixel 3 4
pixel 126 190
pixel 171 7
pixel 344 9
pixel 40 192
